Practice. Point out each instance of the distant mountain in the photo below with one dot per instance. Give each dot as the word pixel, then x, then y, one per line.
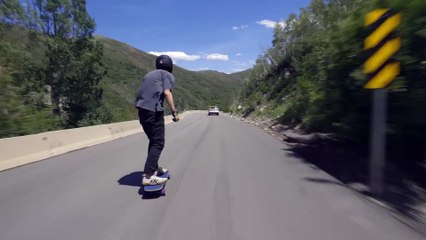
pixel 194 90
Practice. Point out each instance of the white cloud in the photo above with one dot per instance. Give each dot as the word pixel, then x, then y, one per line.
pixel 238 54
pixel 270 24
pixel 202 69
pixel 217 56
pixel 239 27
pixel 177 55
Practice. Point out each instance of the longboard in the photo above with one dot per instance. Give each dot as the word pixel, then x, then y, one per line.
pixel 159 188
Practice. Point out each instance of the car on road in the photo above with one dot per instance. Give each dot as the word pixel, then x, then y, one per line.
pixel 213 110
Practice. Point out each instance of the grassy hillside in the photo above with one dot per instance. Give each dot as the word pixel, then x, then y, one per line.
pixel 26 108
pixel 22 108
pixel 194 90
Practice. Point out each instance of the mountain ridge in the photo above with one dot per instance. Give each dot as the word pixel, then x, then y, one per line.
pixel 194 89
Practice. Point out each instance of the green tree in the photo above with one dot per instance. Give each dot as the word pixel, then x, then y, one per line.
pixel 317 81
pixel 11 11
pixel 75 65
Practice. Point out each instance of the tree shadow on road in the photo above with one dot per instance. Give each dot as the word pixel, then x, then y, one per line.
pixel 349 164
pixel 135 180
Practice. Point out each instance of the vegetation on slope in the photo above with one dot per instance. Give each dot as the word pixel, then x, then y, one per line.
pixel 55 74
pixel 312 76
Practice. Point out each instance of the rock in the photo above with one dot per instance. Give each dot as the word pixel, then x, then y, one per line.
pixel 305 139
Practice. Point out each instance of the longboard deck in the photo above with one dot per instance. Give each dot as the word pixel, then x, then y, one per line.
pixel 159 187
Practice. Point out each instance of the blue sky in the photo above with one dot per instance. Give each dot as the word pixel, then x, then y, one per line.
pixel 220 35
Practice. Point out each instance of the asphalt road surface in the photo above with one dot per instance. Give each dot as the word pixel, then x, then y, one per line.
pixel 230 180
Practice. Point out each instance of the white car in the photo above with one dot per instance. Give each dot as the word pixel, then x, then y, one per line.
pixel 213 110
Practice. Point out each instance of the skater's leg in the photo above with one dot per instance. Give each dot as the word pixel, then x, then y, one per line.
pixel 156 144
pixel 153 125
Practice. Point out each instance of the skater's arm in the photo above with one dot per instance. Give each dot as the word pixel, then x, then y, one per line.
pixel 169 99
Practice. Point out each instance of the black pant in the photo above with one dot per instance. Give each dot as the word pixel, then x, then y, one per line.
pixel 153 125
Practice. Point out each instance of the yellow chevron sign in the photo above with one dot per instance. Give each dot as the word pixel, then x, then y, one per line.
pixel 383 45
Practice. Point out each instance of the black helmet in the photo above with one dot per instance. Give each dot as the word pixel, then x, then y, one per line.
pixel 164 62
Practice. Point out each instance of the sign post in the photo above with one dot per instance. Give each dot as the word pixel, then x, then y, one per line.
pixel 381 69
pixel 378 141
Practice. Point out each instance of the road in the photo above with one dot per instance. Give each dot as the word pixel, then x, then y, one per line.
pixel 230 180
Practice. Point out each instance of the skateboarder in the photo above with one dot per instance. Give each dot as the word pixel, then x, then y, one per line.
pixel 156 86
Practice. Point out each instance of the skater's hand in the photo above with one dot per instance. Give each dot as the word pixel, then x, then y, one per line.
pixel 175 116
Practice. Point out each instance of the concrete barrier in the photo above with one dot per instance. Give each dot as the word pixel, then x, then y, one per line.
pixel 17 151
